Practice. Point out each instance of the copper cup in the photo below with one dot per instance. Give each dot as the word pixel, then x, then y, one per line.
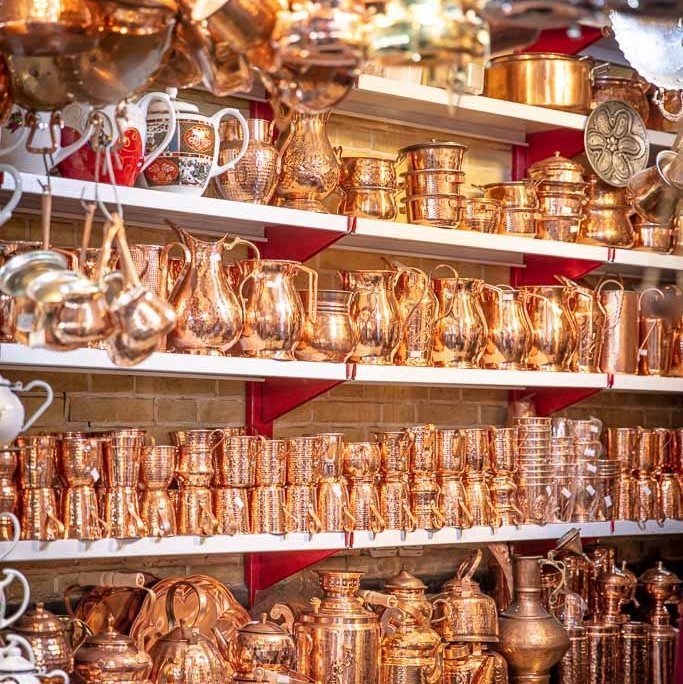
pixel 422 449
pixel 424 502
pixel 479 502
pixel 450 453
pixel 37 460
pixel 9 460
pixel 235 459
pixel 39 517
pixel 204 438
pixel 364 505
pixel 452 502
pixel 231 507
pixel 626 497
pixel 195 466
pixel 158 466
pixel 621 445
pixel 504 450
pixel 477 447
pixel 80 460
pixel 158 513
pixel 9 503
pixel 303 459
pixel 669 496
pixel 331 459
pixel 361 459
pixel 121 460
pixel 645 504
pixel 80 513
pixel 267 507
pixel 301 509
pixel 120 513
pixel 333 505
pixel 646 451
pixel 270 463
pixel 194 511
pixel 394 503
pixel 394 450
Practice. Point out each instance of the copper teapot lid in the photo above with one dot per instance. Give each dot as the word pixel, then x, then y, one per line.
pixel 660 575
pixel 263 626
pixel 110 639
pixel 404 581
pixel 556 162
pixel 39 621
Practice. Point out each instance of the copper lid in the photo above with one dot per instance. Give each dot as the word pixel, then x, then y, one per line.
pixel 659 575
pixel 431 145
pixel 405 581
pixel 263 626
pixel 556 162
pixel 39 621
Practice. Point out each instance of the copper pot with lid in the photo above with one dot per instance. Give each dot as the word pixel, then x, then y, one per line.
pixel 631 90
pixel 556 169
pixel 264 644
pixel 111 657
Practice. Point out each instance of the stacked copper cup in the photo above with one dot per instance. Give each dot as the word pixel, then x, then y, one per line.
pixel 38 496
pixel 302 474
pixel 394 493
pixel 424 490
pixel 80 464
pixel 537 493
pixel 449 446
pixel 361 467
pixel 9 494
pixel 621 449
pixel 122 454
pixel 235 459
pixel 477 451
pixel 267 499
pixel 368 187
pixel 645 502
pixel 433 183
pixel 157 469
pixel 504 448
pixel 333 494
pixel 194 474
pixel 668 484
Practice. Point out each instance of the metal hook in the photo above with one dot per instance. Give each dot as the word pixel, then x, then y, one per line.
pixel 112 181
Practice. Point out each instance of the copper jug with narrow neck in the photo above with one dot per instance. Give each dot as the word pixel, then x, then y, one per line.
pixel 274 314
pixel 531 639
pixel 509 329
pixel 209 313
pixel 460 332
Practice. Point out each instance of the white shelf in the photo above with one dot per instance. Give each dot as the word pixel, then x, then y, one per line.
pixel 150 207
pixel 650 384
pixel 68 549
pixel 388 100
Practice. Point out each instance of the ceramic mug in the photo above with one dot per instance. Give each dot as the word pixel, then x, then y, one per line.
pixel 22 146
pixel 126 125
pixel 6 211
pixel 16 533
pixel 10 575
pixel 190 160
pixel 12 410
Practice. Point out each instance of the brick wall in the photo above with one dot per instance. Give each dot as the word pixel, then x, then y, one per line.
pixel 90 401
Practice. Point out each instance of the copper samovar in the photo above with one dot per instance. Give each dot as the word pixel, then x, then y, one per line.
pixel 531 639
pixel 339 639
pixel 411 649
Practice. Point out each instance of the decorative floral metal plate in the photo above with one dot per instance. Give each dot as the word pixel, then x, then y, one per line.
pixel 616 141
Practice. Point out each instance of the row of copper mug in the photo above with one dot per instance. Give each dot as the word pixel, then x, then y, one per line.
pixel 646 450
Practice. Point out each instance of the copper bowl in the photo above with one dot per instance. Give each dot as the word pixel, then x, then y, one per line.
pixel 376 203
pixel 655 237
pixel 367 172
pixel 482 215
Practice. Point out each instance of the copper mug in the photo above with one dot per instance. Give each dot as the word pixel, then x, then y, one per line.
pixel 302 509
pixel 80 513
pixel 194 511
pixel 364 505
pixel 394 503
pixel 303 459
pixel 424 500
pixel 270 462
pixel 157 512
pixel 37 460
pixel 450 452
pixel 195 466
pixel 231 507
pixel 80 459
pixel 235 459
pixel 39 519
pixel 331 459
pixel 121 460
pixel 422 456
pixel 477 449
pixel 333 505
pixel 9 503
pixel 361 459
pixel 157 466
pixel 120 512
pixel 267 505
pixel 452 502
pixel 479 502
pixel 395 450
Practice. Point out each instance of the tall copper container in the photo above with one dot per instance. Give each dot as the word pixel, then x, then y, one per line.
pixel 572 669
pixel 333 505
pixel 531 639
pixel 635 654
pixel 603 654
pixel 339 636
pixel 662 654
pixel 619 352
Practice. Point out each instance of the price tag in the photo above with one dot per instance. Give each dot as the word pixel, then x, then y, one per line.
pixel 591 490
pixel 608 501
pixel 508 297
pixel 591 468
pixel 574 229
pixel 548 490
pixel 595 428
pixel 566 493
pixel 642 352
pixel 239 504
pixel 337 490
pixel 95 473
pixel 647 490
pixel 590 452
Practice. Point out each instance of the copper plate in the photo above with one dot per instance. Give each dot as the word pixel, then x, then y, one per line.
pixel 616 141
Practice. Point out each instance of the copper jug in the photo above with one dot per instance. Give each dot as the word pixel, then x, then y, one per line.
pixel 111 657
pixel 339 640
pixel 376 314
pixel 274 314
pixel 620 335
pixel 155 267
pixel 531 639
pixel 310 167
pixel 509 328
pixel 417 307
pixel 656 334
pixel 411 649
pixel 460 332
pixel 590 321
pixel 209 313
pixel 554 333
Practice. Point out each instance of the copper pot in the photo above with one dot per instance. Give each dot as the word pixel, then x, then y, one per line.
pixel 557 170
pixel 632 91
pixel 367 172
pixel 513 194
pixel 434 155
pixel 443 210
pixel 368 202
pixel 542 79
pixel 655 237
pixel 482 215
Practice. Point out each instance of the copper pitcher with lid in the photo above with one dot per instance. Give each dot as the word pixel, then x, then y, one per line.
pixel 460 331
pixel 274 314
pixel 210 318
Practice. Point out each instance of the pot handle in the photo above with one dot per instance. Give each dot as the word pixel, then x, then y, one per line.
pixel 170 608
pixel 144 103
pixel 216 119
pixel 282 610
pixel 312 290
pixel 469 565
pixel 6 212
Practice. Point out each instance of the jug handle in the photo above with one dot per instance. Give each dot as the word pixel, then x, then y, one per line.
pixel 438 516
pixel 216 119
pixel 163 267
pixel 144 103
pixel 425 288
pixel 447 610
pixel 377 523
pixel 139 522
pixel 170 608
pixel 312 290
pixel 469 565
pixel 210 521
pixel 49 396
pixel 6 212
pixel 658 99
pixel 558 565
pixel 284 612
pixel 83 634
pixel 32 122
pixel 11 574
pixel 641 346
pixel 466 513
pixel 236 240
pixel 164 524
pixel 16 535
pixel 452 300
pixel 289 518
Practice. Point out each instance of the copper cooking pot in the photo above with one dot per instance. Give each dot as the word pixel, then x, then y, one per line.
pixel 632 91
pixel 513 195
pixel 558 169
pixel 542 79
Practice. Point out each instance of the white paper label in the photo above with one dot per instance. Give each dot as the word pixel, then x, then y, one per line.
pixel 95 473
pixel 508 297
pixel 589 452
pixel 591 468
pixel 566 493
pixel 548 490
pixel 337 490
pixel 574 229
pixel 608 501
pixel 590 490
pixel 642 352
pixel 239 504
pixel 647 490
pixel 595 428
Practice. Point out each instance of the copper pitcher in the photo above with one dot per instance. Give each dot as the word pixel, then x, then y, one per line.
pixel 608 214
pixel 460 332
pixel 554 334
pixel 376 313
pixel 509 329
pixel 273 311
pixel 154 266
pixel 656 334
pixel 210 319
pixel 620 334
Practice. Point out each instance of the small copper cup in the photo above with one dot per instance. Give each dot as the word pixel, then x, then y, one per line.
pixel 450 452
pixel 364 505
pixel 195 466
pixel 301 505
pixel 231 506
pixel 194 511
pixel 331 459
pixel 303 459
pixel 422 449
pixel 158 513
pixel 395 450
pixel 268 507
pixel 452 502
pixel 120 512
pixel 394 503
pixel 361 459
pixel 37 460
pixel 270 463
pixel 333 506
pixel 235 460
pixel 39 516
pixel 158 466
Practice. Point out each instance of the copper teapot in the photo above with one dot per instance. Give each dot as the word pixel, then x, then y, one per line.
pixel 111 657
